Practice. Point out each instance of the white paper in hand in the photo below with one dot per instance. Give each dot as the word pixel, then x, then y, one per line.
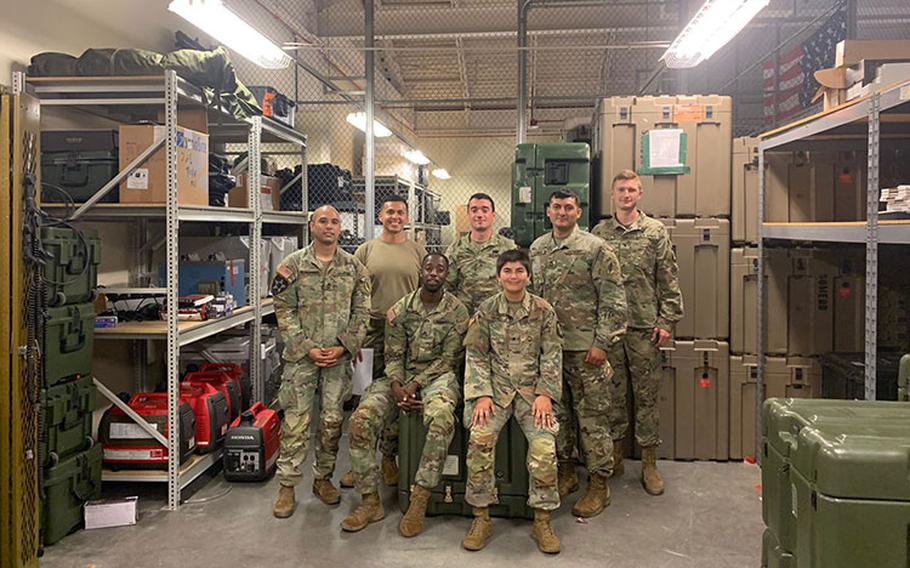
pixel 363 371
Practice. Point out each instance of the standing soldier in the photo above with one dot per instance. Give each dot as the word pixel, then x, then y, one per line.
pixel 423 342
pixel 322 301
pixel 472 274
pixel 655 305
pixel 514 353
pixel 578 274
pixel 393 262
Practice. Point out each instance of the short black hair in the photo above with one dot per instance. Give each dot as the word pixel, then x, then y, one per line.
pixel 481 195
pixel 565 194
pixel 395 198
pixel 513 255
pixel 437 254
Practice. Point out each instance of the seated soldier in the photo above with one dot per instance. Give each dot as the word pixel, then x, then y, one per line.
pixel 424 334
pixel 513 367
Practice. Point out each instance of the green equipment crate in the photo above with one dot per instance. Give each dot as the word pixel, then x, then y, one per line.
pixel 843 376
pixel 772 553
pixel 447 498
pixel 77 163
pixel 71 274
pixel 834 476
pixel 538 171
pixel 66 426
pixel 903 379
pixel 67 486
pixel 68 342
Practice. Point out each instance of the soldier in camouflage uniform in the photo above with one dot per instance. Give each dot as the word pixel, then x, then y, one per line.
pixel 472 274
pixel 655 305
pixel 514 355
pixel 579 275
pixel 423 341
pixel 322 301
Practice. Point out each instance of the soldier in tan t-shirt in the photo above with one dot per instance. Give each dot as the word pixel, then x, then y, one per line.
pixel 393 262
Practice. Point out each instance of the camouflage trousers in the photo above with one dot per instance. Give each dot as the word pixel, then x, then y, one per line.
pixel 298 397
pixel 378 409
pixel 541 460
pixel 584 413
pixel 375 340
pixel 637 360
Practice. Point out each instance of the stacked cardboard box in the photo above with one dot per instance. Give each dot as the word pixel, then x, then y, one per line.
pixel 692 198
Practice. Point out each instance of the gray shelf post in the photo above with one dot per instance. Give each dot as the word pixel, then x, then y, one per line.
pixel 172 229
pixel 872 197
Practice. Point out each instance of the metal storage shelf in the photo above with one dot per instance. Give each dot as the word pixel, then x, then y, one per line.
pixel 128 99
pixel 868 121
pixel 195 465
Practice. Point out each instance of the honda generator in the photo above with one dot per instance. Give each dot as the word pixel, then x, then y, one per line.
pixel 224 383
pixel 237 374
pixel 251 445
pixel 126 445
pixel 211 410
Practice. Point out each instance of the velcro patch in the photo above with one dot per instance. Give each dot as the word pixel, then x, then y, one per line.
pixel 280 283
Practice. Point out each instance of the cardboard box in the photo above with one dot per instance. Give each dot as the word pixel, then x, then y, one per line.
pixel 148 184
pixel 852 51
pixel 195 119
pixel 269 193
pixel 111 513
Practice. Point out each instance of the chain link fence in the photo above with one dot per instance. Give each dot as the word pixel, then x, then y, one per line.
pixel 446 83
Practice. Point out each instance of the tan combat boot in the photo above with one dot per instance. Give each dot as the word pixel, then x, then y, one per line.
pixel 389 470
pixel 480 532
pixel 326 492
pixel 412 521
pixel 618 467
pixel 284 504
pixel 347 480
pixel 543 533
pixel 650 478
pixel 369 511
pixel 596 498
pixel 566 478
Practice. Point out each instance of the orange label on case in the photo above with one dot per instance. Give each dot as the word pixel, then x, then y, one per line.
pixel 688 112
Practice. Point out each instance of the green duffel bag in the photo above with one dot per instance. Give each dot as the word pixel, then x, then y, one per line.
pixel 52 64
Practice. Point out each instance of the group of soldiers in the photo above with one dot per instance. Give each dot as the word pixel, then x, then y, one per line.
pixel 552 336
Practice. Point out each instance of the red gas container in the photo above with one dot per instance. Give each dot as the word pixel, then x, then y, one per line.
pixel 211 410
pixel 251 445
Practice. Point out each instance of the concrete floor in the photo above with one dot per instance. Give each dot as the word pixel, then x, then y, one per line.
pixel 710 517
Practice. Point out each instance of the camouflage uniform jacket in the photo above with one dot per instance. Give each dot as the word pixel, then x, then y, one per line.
pixel 320 305
pixel 649 271
pixel 472 268
pixel 513 354
pixel 422 344
pixel 581 278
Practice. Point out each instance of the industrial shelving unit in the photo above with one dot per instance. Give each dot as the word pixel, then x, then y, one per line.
pixel 421 202
pixel 124 99
pixel 865 122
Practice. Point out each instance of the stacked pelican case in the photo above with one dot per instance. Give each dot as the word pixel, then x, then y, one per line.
pixel 834 478
pixel 70 459
pixel 447 498
pixel 691 196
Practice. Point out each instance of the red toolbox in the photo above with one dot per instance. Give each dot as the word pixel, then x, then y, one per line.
pixel 126 445
pixel 211 409
pixel 251 445
pixel 224 383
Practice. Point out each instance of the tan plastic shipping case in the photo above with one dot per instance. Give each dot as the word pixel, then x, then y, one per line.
pixel 794 377
pixel 744 300
pixel 707 122
pixel 703 253
pixel 744 218
pixel 694 401
pixel 811 304
pixel 814 186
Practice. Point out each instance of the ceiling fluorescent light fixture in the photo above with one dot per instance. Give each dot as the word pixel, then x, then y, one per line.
pixel 715 24
pixel 212 17
pixel 417 157
pixel 441 173
pixel 359 121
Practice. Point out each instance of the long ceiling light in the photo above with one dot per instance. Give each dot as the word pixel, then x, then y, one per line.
pixel 417 157
pixel 212 17
pixel 715 24
pixel 441 173
pixel 359 121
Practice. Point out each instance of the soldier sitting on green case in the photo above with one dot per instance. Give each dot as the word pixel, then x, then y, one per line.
pixel 423 342
pixel 513 367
